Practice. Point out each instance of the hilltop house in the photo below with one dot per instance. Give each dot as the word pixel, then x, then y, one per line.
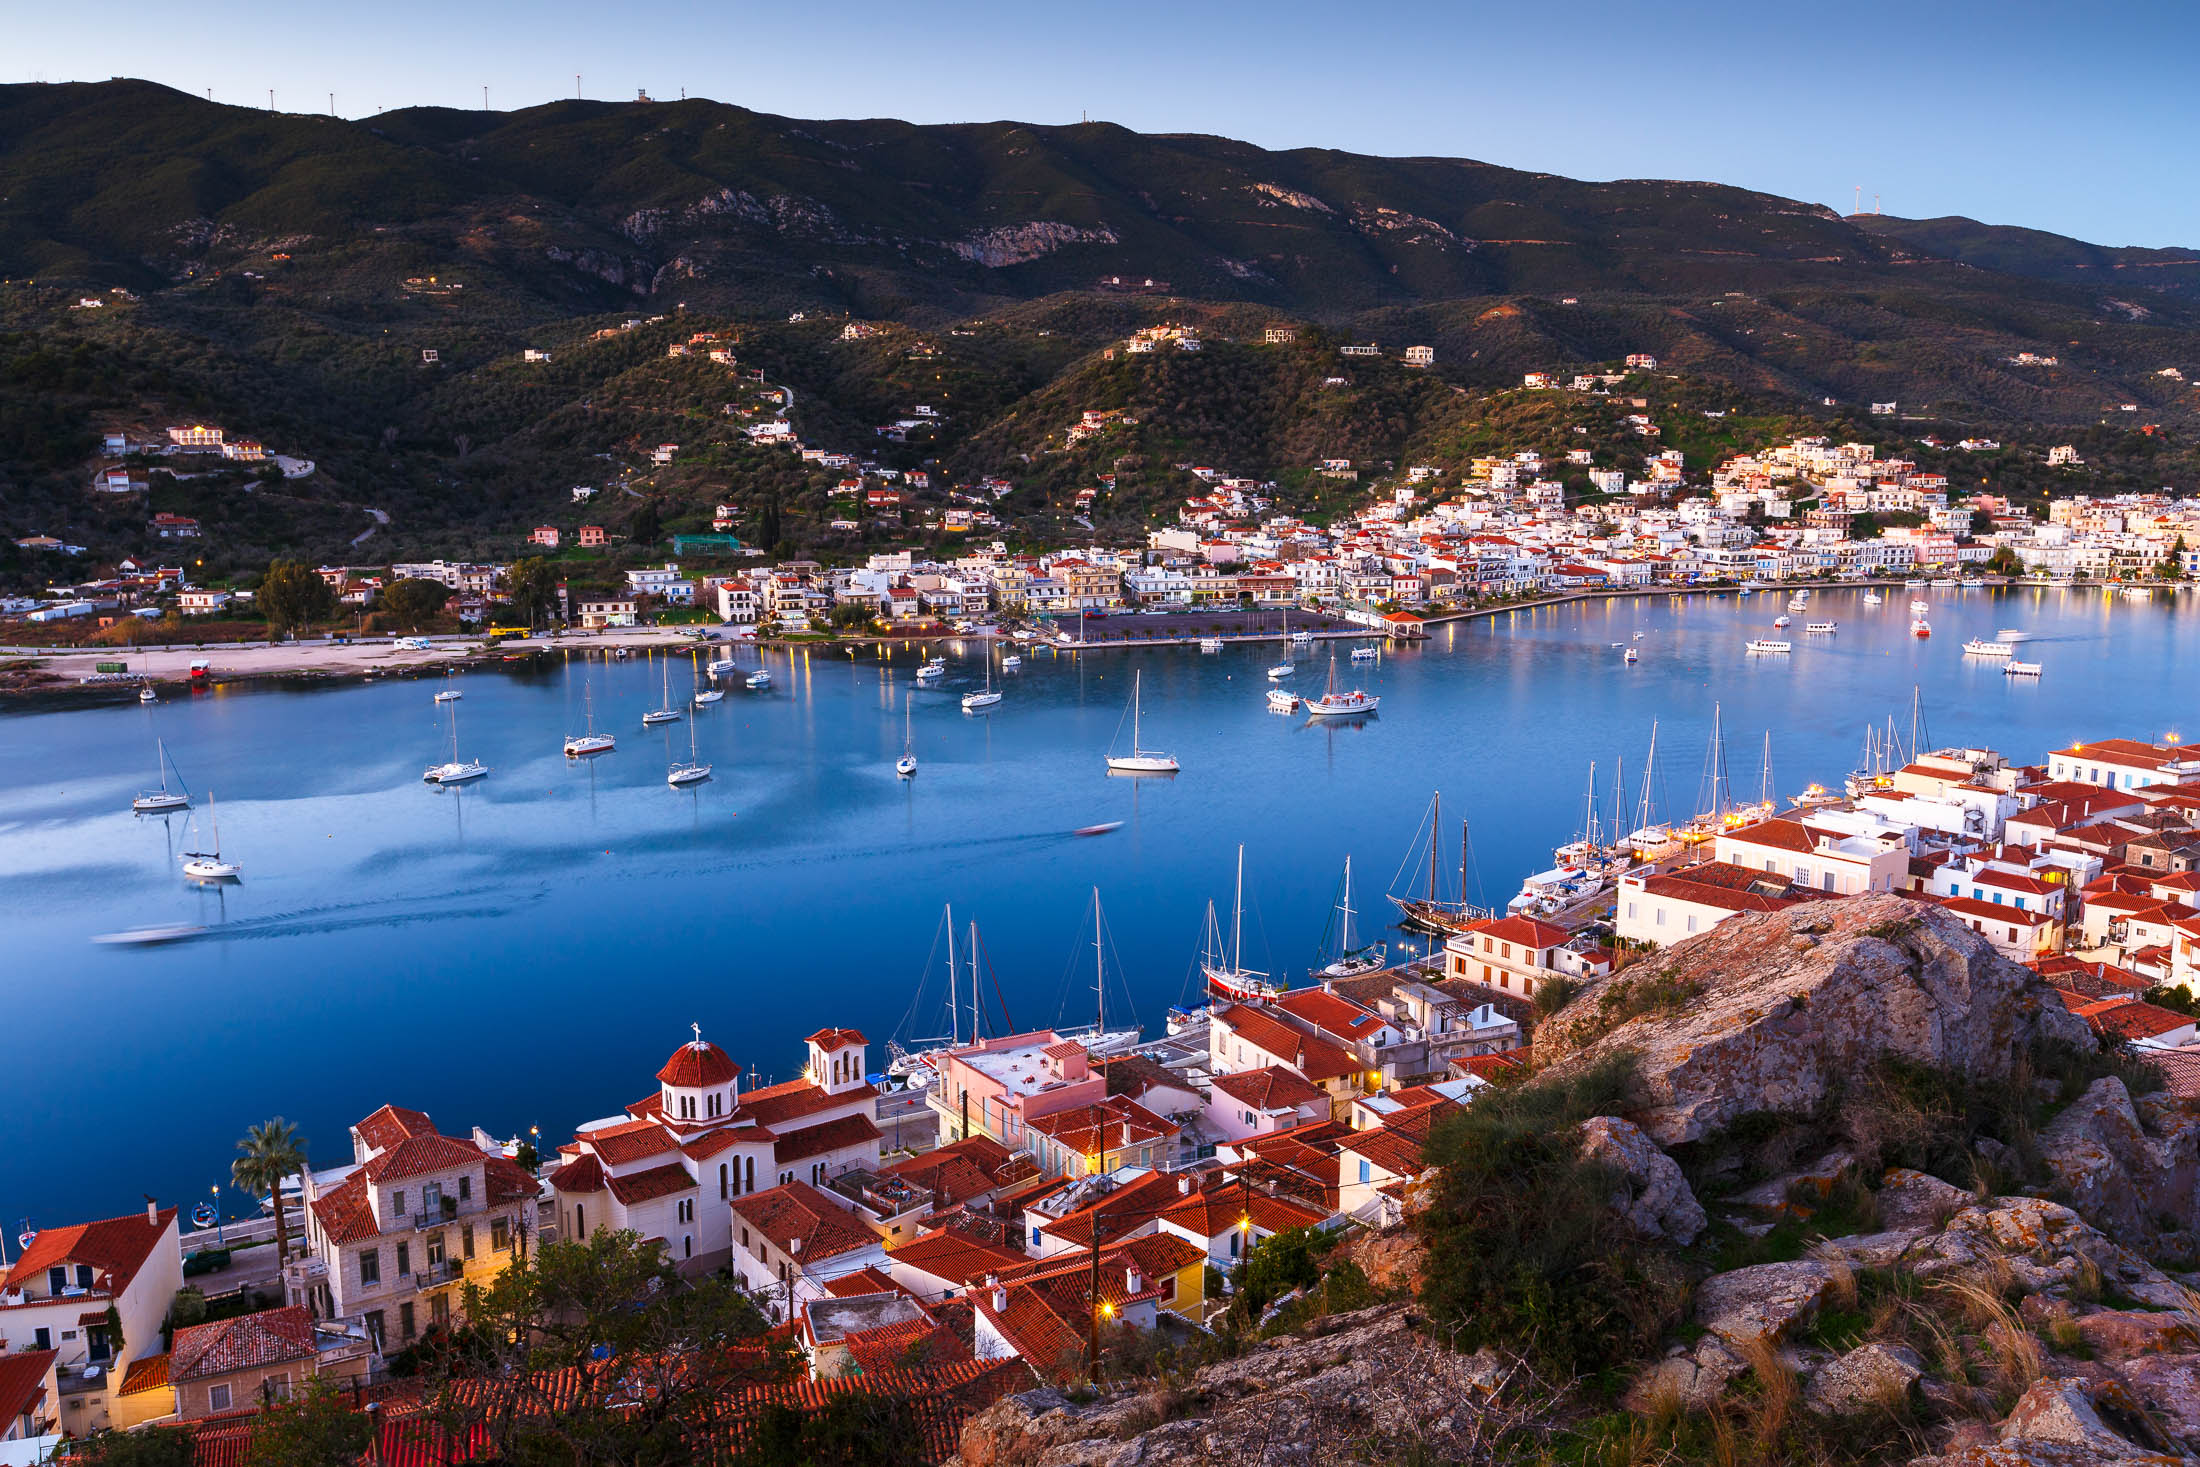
pixel 96 1295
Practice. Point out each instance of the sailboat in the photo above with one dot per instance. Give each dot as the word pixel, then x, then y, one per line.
pixel 704 697
pixel 692 772
pixel 1652 838
pixel 448 694
pixel 1286 667
pixel 979 702
pixel 1431 913
pixel 1235 981
pixel 1140 760
pixel 906 765
pixel 164 799
pixel 590 742
pixel 1352 962
pixel 1332 703
pixel 917 1061
pixel 209 865
pixel 664 712
pixel 457 770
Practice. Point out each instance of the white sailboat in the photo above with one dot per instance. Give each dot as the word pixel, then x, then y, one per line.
pixel 1286 667
pixel 1332 703
pixel 456 770
pixel 694 771
pixel 664 712
pixel 1235 981
pixel 703 696
pixel 1140 760
pixel 1352 962
pixel 164 799
pixel 448 694
pixel 979 702
pixel 590 742
pixel 209 865
pixel 906 765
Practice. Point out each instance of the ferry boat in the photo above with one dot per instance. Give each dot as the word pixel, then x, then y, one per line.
pixel 1235 981
pixel 1333 704
pixel 1823 627
pixel 1210 644
pixel 1913 585
pixel 1944 581
pixel 2020 669
pixel 1920 627
pixel 1766 644
pixel 1283 700
pixel 1431 912
pixel 1979 647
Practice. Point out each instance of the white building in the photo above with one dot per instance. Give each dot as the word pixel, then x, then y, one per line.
pixel 57 1297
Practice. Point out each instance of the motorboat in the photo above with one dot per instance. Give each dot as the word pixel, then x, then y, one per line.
pixel 1105 827
pixel 1873 598
pixel 2012 635
pixel 1283 700
pixel 720 666
pixel 151 936
pixel 1919 606
pixel 1814 796
pixel 164 799
pixel 1012 663
pixel 1630 657
pixel 1367 654
pixel 591 742
pixel 1822 628
pixel 1980 647
pixel 209 865
pixel 1767 644
pixel 1920 627
pixel 932 671
pixel 1140 760
pixel 1781 621
pixel 1210 644
pixel 1332 703
pixel 455 770
pixel 758 680
pixel 2020 669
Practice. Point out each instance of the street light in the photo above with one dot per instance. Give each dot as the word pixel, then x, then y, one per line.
pixel 219 1240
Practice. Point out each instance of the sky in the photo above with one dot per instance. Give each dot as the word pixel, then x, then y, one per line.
pixel 2075 119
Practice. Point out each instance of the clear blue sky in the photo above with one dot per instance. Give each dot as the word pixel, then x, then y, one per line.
pixel 2078 119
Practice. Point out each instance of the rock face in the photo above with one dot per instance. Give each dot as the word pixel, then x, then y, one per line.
pixel 1656 1200
pixel 1760 1304
pixel 1773 1012
pixel 2136 1178
pixel 1868 1378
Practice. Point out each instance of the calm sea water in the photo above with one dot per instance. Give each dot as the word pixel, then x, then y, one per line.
pixel 527 950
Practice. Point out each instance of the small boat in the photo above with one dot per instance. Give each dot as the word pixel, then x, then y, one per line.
pixel 1630 657
pixel 164 799
pixel 978 702
pixel 1283 700
pixel 1103 828
pixel 1210 644
pixel 758 680
pixel 591 742
pixel 720 666
pixel 1780 621
pixel 1919 606
pixel 1979 647
pixel 704 697
pixel 1920 627
pixel 1351 962
pixel 1813 796
pixel 2020 669
pixel 2012 635
pixel 932 671
pixel 693 771
pixel 1140 760
pixel 455 770
pixel 147 695
pixel 1012 663
pixel 1766 644
pixel 1366 654
pixel 449 695
pixel 1280 671
pixel 906 765
pixel 150 937
pixel 664 712
pixel 203 1215
pixel 1873 598
pixel 209 865
pixel 1822 627
pixel 1332 704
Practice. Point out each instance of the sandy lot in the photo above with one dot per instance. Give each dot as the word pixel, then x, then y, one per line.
pixel 338 659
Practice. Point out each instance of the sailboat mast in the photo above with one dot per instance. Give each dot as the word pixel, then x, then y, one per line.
pixel 1435 826
pixel 954 1010
pixel 1099 974
pixel 975 1036
pixel 1619 793
pixel 1136 678
pixel 1463 846
pixel 1345 910
pixel 1649 770
pixel 1237 918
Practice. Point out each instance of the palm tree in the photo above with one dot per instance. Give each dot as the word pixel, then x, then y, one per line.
pixel 272 1151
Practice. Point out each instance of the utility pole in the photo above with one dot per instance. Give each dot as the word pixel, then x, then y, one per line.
pixel 576 86
pixel 484 96
pixel 1092 1314
pixel 332 104
pixel 271 99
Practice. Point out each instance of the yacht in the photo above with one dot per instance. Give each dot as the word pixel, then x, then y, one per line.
pixel 704 697
pixel 1283 700
pixel 720 666
pixel 906 765
pixel 1012 663
pixel 1351 962
pixel 2020 669
pixel 1822 627
pixel 590 742
pixel 1332 703
pixel 209 865
pixel 1813 796
pixel 1367 654
pixel 933 670
pixel 1234 981
pixel 694 771
pixel 1781 621
pixel 978 702
pixel 758 680
pixel 455 770
pixel 1980 647
pixel 664 712
pixel 1767 644
pixel 164 799
pixel 1140 760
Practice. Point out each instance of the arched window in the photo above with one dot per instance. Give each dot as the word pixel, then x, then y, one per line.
pixel 722 1193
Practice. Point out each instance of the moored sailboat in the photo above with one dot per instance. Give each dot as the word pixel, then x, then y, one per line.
pixel 1351 962
pixel 1233 980
pixel 1432 912
pixel 1140 760
pixel 164 799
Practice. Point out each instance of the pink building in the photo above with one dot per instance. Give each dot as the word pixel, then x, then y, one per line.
pixel 545 536
pixel 999 1087
pixel 1258 1102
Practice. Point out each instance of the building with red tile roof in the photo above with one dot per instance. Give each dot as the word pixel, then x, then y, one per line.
pixel 1116 1131
pixel 232 1364
pixel 1246 1037
pixel 63 1282
pixel 1254 1102
pixel 1661 909
pixel 30 1399
pixel 790 1241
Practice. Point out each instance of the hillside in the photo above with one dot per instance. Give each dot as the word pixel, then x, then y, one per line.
pixel 284 275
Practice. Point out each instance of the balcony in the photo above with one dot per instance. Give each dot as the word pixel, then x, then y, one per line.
pixel 435 1275
pixel 437 1217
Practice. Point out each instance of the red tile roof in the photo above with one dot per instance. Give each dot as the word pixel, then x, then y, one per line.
pixel 248 1342
pixel 836 1038
pixel 790 1101
pixel 823 1137
pixel 797 1210
pixel 146 1373
pixel 698 1064
pixel 344 1213
pixel 633 1141
pixel 1316 1059
pixel 22 1383
pixel 582 1174
pixel 658 1181
pixel 1105 1127
pixel 938 1399
pixel 2137 1019
pixel 1215 1211
pixel 911 1342
pixel 1329 1013
pixel 506 1180
pixel 115 1247
pixel 1272 1088
pixel 392 1124
pixel 954 1256
pixel 1526 931
pixel 418 1155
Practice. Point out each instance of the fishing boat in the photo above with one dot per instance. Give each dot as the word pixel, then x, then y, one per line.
pixel 1781 621
pixel 1234 981
pixel 1980 647
pixel 758 681
pixel 1431 912
pixel 1367 654
pixel 2021 669
pixel 1822 628
pixel 590 742
pixel 906 765
pixel 694 771
pixel 1350 962
pixel 1140 760
pixel 1920 627
pixel 455 770
pixel 1767 644
pixel 1283 700
pixel 664 712
pixel 986 698
pixel 1210 644
pixel 164 799
pixel 1333 704
pixel 209 865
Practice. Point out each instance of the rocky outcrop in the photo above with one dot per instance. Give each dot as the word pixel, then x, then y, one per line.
pixel 1871 1377
pixel 1759 1305
pixel 2135 1178
pixel 1776 1012
pixel 1020 244
pixel 1655 1198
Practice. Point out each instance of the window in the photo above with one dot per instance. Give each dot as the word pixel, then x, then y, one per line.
pixel 465 1189
pixel 404 1264
pixel 500 1234
pixel 57 1279
pixel 1630 911
pixel 436 1250
pixel 42 1338
pixel 397 1201
pixel 466 1241
pixel 217 1398
pixel 1363 1169
pixel 431 1199
pixel 405 1327
pixel 687 1245
pixel 374 1327
pixel 278 1387
pixel 1691 924
pixel 722 1184
pixel 1658 920
pixel 370 1266
pixel 84 1276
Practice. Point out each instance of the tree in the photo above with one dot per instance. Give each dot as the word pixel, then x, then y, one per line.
pixel 767 520
pixel 1864 527
pixel 187 1308
pixel 414 599
pixel 272 1151
pixel 644 528
pixel 315 1428
pixel 532 585
pixel 152 1446
pixel 292 594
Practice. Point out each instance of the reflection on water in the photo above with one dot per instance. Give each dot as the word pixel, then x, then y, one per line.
pixel 527 948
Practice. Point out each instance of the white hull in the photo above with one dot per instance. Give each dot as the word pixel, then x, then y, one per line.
pixel 1764 646
pixel 906 767
pixel 1280 701
pixel 454 773
pixel 708 696
pixel 661 715
pixel 1337 707
pixel 148 936
pixel 2022 669
pixel 979 702
pixel 1281 671
pixel 1012 664
pixel 160 804
pixel 759 681
pixel 590 744
pixel 1142 763
pixel 211 870
pixel 449 695
pixel 687 774
pixel 1210 644
pixel 721 667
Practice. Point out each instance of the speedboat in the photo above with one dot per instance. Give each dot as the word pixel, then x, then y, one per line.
pixel 150 936
pixel 2012 635
pixel 758 680
pixel 1103 828
pixel 1283 700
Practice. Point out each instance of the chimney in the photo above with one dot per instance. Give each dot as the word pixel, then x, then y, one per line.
pixel 152 1212
pixel 1184 1185
pixel 794 1247
pixel 1134 1279
pixel 1000 1295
